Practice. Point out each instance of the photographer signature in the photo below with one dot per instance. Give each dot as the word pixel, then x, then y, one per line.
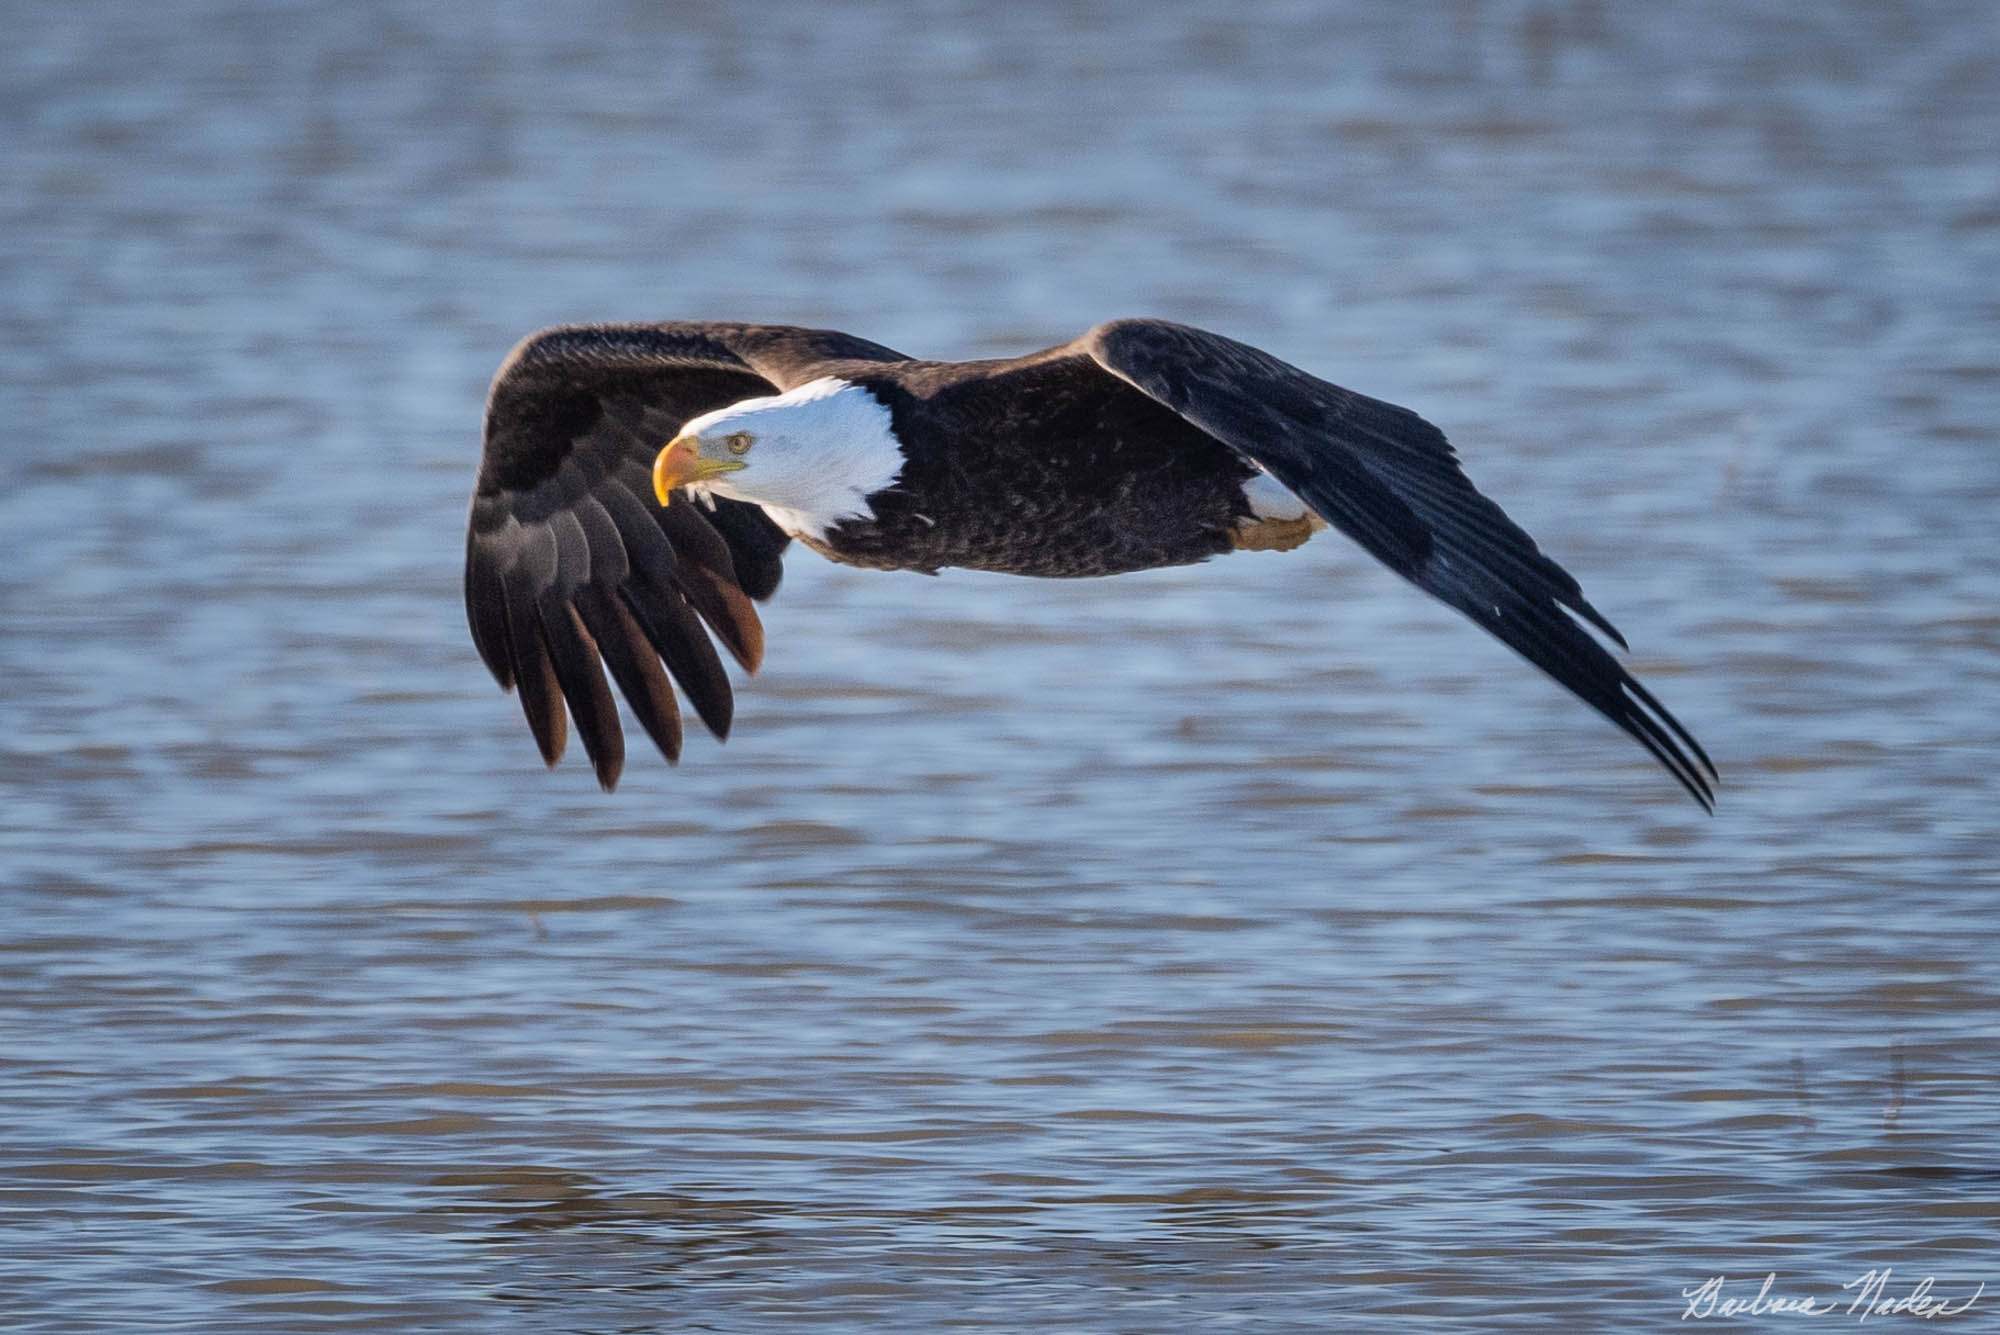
pixel 1870 1290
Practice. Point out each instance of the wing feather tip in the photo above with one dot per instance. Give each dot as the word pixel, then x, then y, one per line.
pixel 1581 606
pixel 550 742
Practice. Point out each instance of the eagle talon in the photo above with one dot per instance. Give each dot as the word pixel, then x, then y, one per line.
pixel 1271 535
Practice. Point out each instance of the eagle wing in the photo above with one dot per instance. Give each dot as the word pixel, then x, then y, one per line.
pixel 1389 480
pixel 569 560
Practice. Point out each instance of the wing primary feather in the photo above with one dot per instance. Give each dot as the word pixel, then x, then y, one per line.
pixel 694 540
pixel 534 674
pixel 1695 786
pixel 647 547
pixel 1560 648
pixel 655 594
pixel 728 613
pixel 486 612
pixel 574 656
pixel 1597 678
pixel 1675 764
pixel 676 633
pixel 634 666
pixel 707 577
pixel 1651 702
pixel 609 561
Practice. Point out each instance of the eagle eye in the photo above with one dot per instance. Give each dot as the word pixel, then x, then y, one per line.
pixel 739 442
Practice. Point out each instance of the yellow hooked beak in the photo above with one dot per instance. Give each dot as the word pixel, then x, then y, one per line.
pixel 681 462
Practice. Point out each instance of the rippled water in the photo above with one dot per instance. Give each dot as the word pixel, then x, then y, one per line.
pixel 1252 944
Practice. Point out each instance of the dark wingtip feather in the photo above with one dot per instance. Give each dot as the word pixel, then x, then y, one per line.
pixel 1581 606
pixel 674 631
pixel 535 678
pixel 543 707
pixel 635 667
pixel 728 613
pixel 1559 646
pixel 1567 654
pixel 1651 702
pixel 574 656
pixel 1647 732
pixel 1647 698
pixel 707 577
pixel 486 613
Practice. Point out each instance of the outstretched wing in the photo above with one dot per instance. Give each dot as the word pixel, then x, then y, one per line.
pixel 1389 480
pixel 568 558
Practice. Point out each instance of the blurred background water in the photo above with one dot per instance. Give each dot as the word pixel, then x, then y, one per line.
pixel 1252 944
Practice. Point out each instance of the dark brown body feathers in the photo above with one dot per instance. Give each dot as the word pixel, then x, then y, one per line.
pixel 1051 477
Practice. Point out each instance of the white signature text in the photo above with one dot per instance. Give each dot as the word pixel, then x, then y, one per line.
pixel 1869 1295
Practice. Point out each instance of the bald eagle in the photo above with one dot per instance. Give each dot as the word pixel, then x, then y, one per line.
pixel 640 481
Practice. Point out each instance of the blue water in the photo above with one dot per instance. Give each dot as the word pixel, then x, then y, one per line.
pixel 1248 945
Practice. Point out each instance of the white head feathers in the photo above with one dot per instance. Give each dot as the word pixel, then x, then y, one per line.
pixel 813 454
